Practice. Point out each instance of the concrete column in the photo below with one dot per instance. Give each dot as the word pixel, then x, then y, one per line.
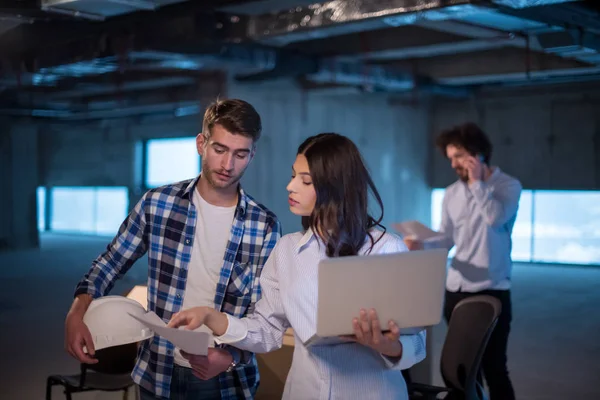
pixel 19 181
pixel 5 183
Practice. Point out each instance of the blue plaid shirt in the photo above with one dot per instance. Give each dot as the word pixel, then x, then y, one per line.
pixel 163 223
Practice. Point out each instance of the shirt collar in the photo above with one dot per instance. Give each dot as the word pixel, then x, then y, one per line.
pixel 493 176
pixel 242 204
pixel 308 236
pixel 495 173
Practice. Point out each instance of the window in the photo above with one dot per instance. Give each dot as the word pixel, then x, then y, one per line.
pixel 551 226
pixel 437 197
pixel 92 210
pixel 111 209
pixel 171 160
pixel 566 227
pixel 41 208
pixel 72 209
pixel 521 235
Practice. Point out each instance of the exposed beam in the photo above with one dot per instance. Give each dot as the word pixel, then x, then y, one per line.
pixel 403 42
pixel 576 14
pixel 121 89
pixel 101 101
pixel 534 77
pixel 176 109
pixel 66 78
pixel 436 50
pixel 92 96
pixel 464 29
pixel 408 36
pixel 581 45
pixel 273 63
pixel 479 33
pixel 489 63
pixel 245 55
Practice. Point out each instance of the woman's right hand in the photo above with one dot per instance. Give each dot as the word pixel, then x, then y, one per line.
pixel 413 244
pixel 191 318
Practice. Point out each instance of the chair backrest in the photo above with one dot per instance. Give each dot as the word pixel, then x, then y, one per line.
pixel 473 321
pixel 112 360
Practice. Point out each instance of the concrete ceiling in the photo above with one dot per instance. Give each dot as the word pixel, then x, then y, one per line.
pixel 76 50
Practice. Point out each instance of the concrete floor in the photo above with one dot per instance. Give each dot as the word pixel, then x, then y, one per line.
pixel 554 352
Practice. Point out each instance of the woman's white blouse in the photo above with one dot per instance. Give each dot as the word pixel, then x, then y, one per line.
pixel 289 299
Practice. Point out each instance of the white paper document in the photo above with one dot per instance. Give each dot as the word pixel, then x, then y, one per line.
pixel 415 230
pixel 192 342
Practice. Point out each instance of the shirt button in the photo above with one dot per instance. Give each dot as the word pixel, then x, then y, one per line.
pixel 169 352
pixel 187 241
pixel 178 296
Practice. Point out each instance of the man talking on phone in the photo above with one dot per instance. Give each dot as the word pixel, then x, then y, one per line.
pixel 478 214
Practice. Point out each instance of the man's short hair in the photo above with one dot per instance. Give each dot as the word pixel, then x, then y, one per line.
pixel 470 137
pixel 235 115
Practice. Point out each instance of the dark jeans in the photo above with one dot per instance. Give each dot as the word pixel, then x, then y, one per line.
pixel 493 364
pixel 185 386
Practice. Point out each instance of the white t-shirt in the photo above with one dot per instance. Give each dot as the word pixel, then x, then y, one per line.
pixel 213 227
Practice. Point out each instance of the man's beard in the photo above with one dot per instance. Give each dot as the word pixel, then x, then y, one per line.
pixel 210 177
pixel 462 173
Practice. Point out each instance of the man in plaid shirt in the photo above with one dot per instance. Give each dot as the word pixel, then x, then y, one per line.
pixel 207 241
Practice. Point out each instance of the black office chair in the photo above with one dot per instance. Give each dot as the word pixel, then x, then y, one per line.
pixel 471 325
pixel 111 373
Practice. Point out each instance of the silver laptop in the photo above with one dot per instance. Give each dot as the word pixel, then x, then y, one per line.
pixel 406 287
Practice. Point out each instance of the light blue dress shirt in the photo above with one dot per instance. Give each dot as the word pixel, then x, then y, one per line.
pixel 478 219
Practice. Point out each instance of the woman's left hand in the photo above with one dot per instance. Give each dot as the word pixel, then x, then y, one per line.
pixel 367 330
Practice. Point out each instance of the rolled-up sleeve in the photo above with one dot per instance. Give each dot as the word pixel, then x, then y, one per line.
pixel 413 351
pixel 236 331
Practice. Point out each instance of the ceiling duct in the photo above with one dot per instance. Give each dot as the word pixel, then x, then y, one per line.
pixel 101 9
pixel 339 17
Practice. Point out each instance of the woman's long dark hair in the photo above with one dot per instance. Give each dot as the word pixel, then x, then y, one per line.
pixel 342 182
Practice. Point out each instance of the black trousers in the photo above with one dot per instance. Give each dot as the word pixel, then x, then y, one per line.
pixel 493 364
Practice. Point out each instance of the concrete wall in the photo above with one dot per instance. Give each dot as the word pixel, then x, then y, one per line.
pixel 393 139
pixel 548 138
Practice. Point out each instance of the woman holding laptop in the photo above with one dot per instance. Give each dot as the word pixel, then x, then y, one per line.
pixel 329 189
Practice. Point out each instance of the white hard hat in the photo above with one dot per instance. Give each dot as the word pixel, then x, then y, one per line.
pixel 110 324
